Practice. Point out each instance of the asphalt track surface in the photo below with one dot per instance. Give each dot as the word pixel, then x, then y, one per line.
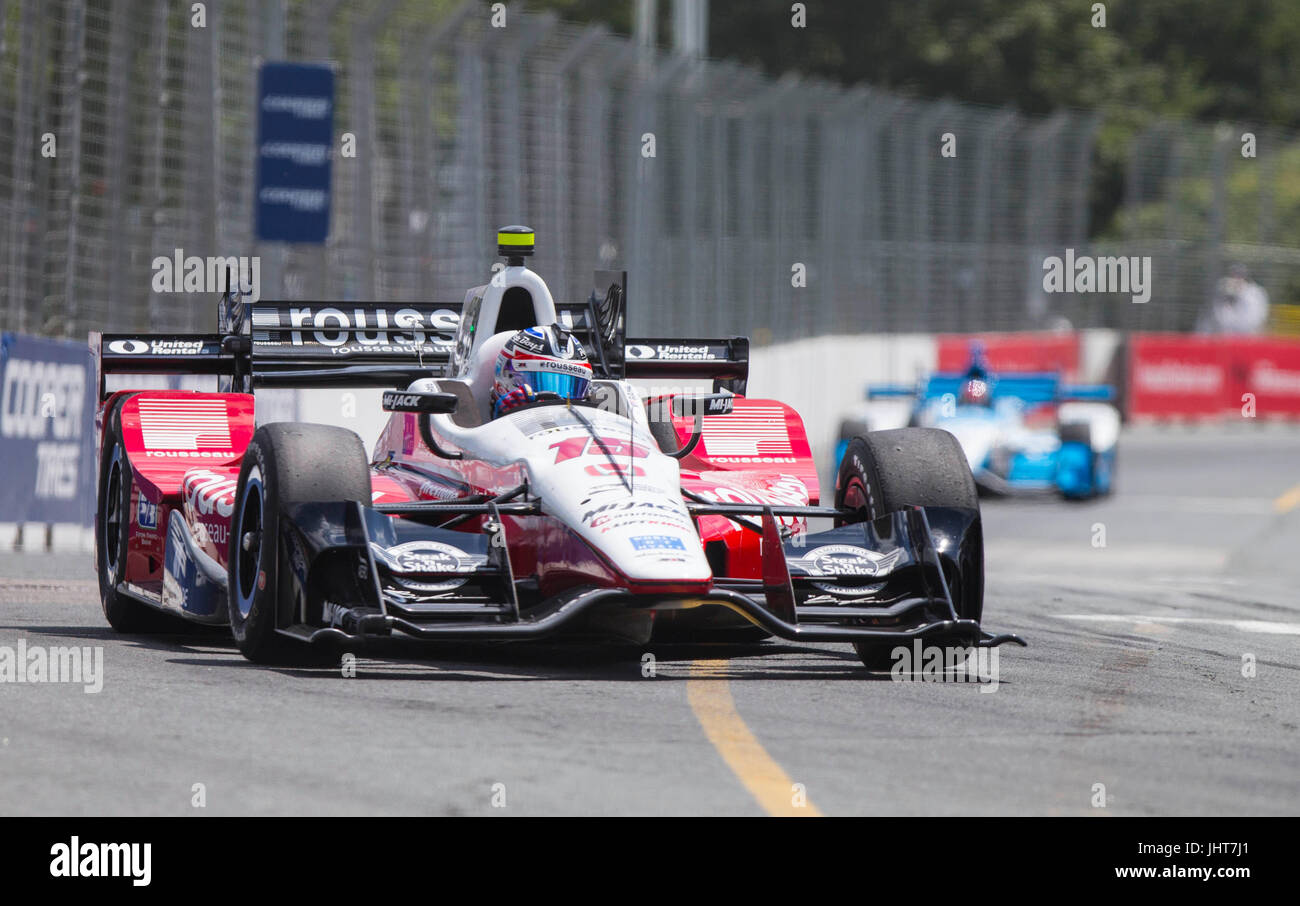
pixel 1133 680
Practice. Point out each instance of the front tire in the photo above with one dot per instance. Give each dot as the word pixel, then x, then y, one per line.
pixel 286 463
pixel 885 471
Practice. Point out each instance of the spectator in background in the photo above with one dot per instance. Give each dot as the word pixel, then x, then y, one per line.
pixel 1240 305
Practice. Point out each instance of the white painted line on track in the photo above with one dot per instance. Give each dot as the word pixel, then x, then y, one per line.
pixel 1262 626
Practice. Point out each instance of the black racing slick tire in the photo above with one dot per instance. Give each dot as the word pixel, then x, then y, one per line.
pixel 112 530
pixel 885 471
pixel 285 463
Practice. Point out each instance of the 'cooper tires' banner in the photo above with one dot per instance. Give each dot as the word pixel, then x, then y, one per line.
pixel 47 400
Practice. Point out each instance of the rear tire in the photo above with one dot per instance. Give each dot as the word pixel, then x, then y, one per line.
pixel 285 463
pixel 885 471
pixel 112 532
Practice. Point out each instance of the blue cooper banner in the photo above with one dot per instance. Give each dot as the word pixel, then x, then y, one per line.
pixel 47 444
pixel 295 138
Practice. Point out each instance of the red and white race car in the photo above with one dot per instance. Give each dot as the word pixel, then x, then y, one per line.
pixel 618 516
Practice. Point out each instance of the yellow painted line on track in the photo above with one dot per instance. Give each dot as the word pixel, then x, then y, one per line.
pixel 1288 501
pixel 709 693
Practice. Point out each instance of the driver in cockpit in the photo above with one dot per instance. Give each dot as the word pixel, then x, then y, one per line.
pixel 539 363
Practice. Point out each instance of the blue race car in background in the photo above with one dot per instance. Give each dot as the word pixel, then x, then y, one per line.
pixel 1021 433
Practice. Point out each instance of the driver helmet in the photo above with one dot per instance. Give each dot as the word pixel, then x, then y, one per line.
pixel 975 392
pixel 539 360
pixel 978 367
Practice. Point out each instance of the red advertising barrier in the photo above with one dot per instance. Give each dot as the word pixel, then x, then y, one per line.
pixel 1268 367
pixel 1176 376
pixel 1028 351
pixel 1182 376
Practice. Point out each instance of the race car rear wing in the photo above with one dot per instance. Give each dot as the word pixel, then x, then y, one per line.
pixel 725 360
pixel 599 322
pixel 1028 387
pixel 391 344
pixel 298 344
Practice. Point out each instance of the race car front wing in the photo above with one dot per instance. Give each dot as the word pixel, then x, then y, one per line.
pixel 360 571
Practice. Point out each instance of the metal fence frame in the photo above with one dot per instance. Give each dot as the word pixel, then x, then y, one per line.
pixel 461 127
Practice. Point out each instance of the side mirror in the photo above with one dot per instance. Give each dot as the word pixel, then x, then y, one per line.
pixel 699 405
pixel 423 403
pixel 696 406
